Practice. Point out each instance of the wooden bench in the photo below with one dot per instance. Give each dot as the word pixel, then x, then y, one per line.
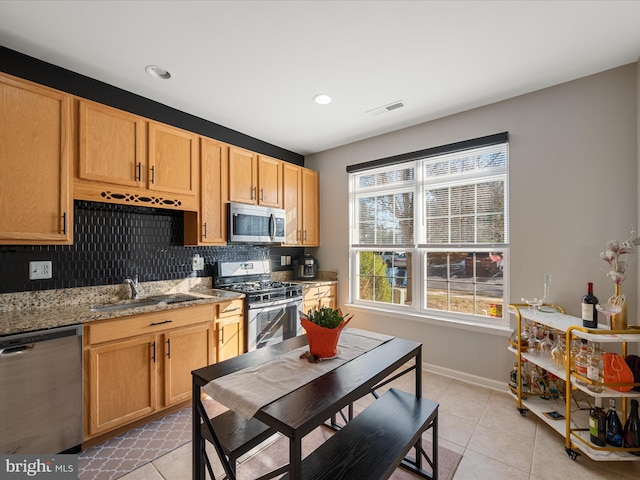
pixel 235 435
pixel 377 440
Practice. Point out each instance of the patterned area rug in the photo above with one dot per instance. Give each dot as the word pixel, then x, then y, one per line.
pixel 120 455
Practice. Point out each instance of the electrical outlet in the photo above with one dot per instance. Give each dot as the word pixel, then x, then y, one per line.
pixel 283 260
pixel 40 270
pixel 197 262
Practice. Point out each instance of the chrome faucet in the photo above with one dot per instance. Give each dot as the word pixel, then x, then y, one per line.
pixel 135 293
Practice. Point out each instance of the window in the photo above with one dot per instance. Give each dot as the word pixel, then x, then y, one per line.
pixel 430 231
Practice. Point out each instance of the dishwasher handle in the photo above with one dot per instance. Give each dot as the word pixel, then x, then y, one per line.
pixel 16 350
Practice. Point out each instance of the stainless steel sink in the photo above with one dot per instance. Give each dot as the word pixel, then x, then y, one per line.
pixel 123 306
pixel 145 302
pixel 175 298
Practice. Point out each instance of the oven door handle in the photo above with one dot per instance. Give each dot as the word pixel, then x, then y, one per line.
pixel 273 304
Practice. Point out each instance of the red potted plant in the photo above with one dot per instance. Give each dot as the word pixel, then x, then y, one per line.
pixel 323 327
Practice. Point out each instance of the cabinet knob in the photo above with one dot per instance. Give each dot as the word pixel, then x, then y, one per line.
pixel 204 230
pixel 153 174
pixel 254 193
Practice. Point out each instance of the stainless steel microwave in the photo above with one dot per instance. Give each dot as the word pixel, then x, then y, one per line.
pixel 256 224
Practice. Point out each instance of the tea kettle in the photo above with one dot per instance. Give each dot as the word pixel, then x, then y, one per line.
pixel 305 267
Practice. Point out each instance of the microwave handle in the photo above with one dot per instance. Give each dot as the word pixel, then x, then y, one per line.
pixel 272 226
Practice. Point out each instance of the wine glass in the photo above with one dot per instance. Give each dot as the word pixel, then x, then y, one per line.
pixel 608 309
pixel 534 303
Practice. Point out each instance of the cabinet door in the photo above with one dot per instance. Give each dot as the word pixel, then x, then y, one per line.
pixel 243 181
pixel 327 296
pixel 269 182
pixel 213 192
pixel 122 383
pixel 173 160
pixel 35 159
pixel 310 207
pixel 309 299
pixel 112 146
pixel 292 193
pixel 185 349
pixel 229 338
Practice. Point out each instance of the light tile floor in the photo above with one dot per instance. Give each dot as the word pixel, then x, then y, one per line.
pixel 481 424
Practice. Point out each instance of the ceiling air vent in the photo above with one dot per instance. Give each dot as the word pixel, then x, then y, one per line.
pixel 386 108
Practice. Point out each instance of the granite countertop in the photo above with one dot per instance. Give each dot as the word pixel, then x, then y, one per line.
pixel 29 311
pixel 324 277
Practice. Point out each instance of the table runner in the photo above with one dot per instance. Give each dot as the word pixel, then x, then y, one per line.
pixel 248 390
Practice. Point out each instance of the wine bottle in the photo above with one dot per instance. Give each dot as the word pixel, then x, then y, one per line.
pixel 589 312
pixel 632 428
pixel 598 424
pixel 614 425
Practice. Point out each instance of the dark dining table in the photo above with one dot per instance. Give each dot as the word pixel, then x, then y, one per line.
pixel 300 411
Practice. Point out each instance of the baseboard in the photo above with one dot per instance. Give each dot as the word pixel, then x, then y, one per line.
pixel 466 377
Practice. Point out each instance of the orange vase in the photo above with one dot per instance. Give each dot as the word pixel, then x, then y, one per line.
pixel 323 342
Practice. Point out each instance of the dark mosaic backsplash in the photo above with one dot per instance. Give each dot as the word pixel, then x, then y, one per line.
pixel 115 241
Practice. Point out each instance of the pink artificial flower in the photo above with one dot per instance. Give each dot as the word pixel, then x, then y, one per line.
pixel 618 277
pixel 609 256
pixel 613 245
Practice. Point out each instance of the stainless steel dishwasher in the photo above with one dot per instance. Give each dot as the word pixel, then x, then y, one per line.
pixel 41 391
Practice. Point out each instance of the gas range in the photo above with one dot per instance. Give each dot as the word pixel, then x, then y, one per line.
pixel 271 313
pixel 253 279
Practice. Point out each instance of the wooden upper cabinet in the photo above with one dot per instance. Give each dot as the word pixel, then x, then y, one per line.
pixel 35 160
pixel 302 205
pixel 269 181
pixel 243 175
pixel 292 194
pixel 310 207
pixel 127 159
pixel 173 160
pixel 112 145
pixel 254 179
pixel 208 225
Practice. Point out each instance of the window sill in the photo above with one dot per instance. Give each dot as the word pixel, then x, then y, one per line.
pixel 475 326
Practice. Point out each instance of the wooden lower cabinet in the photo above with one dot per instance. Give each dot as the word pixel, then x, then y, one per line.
pixel 317 296
pixel 229 337
pixel 122 385
pixel 230 333
pixel 185 349
pixel 136 366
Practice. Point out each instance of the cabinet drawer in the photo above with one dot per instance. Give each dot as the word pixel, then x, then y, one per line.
pixel 148 323
pixel 230 307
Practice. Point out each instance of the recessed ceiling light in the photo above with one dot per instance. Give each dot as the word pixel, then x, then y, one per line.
pixel 322 99
pixel 158 72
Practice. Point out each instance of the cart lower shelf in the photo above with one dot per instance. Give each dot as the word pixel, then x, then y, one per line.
pixel 580 438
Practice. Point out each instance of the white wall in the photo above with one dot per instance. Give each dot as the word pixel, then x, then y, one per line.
pixel 573 186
